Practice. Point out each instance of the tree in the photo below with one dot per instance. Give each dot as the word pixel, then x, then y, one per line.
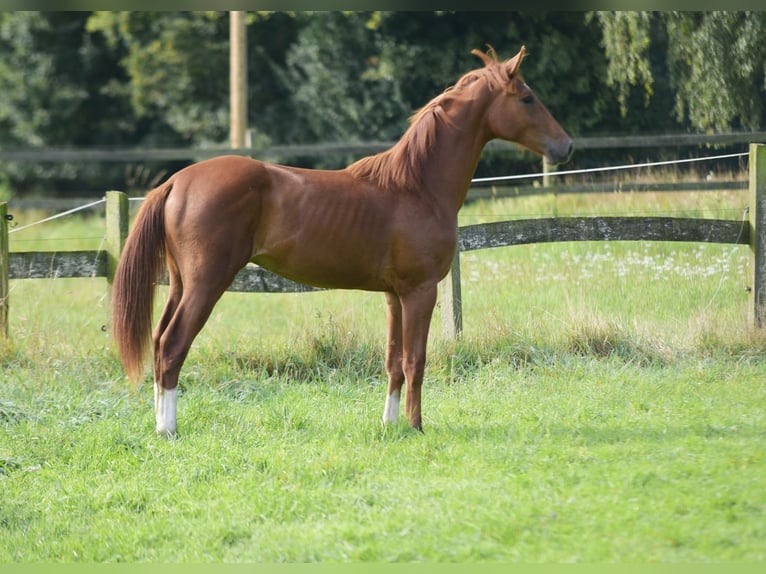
pixel 429 51
pixel 52 77
pixel 176 67
pixel 715 63
pixel 359 76
pixel 404 58
pixel 161 78
pixel 339 88
pixel 426 52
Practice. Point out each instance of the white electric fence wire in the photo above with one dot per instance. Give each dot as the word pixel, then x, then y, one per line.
pixel 57 216
pixel 608 168
pixel 475 180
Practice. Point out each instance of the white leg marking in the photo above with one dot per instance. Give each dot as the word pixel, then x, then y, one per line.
pixel 165 403
pixel 391 410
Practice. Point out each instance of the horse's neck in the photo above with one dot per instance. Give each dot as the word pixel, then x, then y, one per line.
pixel 455 153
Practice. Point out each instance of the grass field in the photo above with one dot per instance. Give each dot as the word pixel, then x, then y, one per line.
pixel 606 403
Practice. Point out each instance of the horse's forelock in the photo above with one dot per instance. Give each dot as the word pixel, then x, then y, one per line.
pixel 489 58
pixel 499 73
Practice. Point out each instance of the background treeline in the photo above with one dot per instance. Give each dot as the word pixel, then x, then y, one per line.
pixel 119 79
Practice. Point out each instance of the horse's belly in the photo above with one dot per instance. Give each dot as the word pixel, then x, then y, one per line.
pixel 342 269
pixel 326 239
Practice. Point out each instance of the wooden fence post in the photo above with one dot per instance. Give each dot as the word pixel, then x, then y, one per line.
pixel 757 218
pixel 4 270
pixel 451 300
pixel 547 168
pixel 117 221
pixel 237 78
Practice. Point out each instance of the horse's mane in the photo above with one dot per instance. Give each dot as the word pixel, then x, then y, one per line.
pixel 400 166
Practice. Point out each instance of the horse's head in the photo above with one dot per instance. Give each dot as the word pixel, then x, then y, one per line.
pixel 516 114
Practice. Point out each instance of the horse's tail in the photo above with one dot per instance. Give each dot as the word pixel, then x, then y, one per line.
pixel 142 262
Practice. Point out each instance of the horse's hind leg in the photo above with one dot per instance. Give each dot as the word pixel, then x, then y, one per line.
pixel 165 399
pixel 175 341
pixel 197 286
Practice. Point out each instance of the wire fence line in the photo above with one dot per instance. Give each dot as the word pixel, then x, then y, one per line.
pixel 58 215
pixel 607 168
pixel 749 230
pixel 479 180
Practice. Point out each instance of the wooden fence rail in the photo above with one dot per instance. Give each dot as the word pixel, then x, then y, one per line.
pixel 750 231
pixel 321 150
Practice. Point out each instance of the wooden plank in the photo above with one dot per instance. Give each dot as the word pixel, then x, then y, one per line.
pixel 188 154
pixel 4 291
pixel 524 231
pixel 757 219
pixel 668 140
pixel 254 279
pixel 72 264
pixel 482 236
pixel 57 264
pixel 482 191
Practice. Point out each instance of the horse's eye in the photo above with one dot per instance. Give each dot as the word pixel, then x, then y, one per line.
pixel 528 99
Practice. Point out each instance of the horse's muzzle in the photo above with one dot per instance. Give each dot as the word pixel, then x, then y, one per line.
pixel 560 151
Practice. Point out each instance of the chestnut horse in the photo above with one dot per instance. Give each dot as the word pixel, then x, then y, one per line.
pixel 385 223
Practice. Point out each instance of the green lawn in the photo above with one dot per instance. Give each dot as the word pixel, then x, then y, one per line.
pixel 606 403
pixel 571 459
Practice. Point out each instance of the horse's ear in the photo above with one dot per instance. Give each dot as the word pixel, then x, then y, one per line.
pixel 512 65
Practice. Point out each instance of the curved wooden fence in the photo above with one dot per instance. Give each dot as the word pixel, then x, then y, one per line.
pixel 751 232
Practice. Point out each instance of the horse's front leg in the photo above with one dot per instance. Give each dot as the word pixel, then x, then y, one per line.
pixel 417 308
pixel 393 359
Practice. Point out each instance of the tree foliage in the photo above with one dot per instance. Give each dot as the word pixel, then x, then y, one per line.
pixel 161 78
pixel 715 63
pixel 341 87
pixel 56 83
pixel 626 43
pixel 168 57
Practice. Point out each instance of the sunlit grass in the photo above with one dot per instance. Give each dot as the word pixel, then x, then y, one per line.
pixel 572 459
